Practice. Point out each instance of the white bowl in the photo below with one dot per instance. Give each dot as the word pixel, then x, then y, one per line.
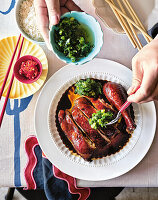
pixel 17 8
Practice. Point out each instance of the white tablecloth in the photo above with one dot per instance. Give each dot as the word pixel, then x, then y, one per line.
pixel 117 48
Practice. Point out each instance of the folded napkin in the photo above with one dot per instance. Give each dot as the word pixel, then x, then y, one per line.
pixel 41 174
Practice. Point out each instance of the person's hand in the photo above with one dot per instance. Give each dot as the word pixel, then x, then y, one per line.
pixel 48 12
pixel 145 74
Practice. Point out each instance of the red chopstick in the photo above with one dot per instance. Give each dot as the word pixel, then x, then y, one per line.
pixel 8 71
pixel 10 86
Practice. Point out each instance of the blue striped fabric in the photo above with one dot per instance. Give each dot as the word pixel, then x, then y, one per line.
pixel 19 106
pixel 12 4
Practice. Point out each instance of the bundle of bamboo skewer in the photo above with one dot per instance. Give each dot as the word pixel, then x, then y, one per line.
pixel 129 24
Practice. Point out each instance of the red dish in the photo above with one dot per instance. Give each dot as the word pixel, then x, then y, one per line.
pixel 28 69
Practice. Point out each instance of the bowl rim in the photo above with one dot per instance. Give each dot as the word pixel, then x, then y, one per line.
pixel 16 15
pixel 17 66
pixel 78 62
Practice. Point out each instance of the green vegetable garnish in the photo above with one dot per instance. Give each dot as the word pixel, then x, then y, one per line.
pixel 72 39
pixel 100 119
pixel 88 87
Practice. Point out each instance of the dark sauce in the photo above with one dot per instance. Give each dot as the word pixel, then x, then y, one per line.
pixel 64 104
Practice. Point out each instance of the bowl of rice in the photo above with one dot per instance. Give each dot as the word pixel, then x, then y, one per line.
pixel 26 20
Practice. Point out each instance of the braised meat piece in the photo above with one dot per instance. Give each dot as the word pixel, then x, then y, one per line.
pixel 85 106
pixel 100 104
pixel 118 141
pixel 81 144
pixel 94 135
pixel 116 95
pixel 88 106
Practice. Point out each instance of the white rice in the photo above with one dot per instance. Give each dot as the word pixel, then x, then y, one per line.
pixel 27 20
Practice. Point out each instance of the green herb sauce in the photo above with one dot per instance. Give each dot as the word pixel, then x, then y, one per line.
pixel 73 39
pixel 88 87
pixel 100 119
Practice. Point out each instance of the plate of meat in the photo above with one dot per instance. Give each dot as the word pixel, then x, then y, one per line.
pixel 71 126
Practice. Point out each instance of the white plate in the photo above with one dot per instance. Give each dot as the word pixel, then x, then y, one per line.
pixel 111 166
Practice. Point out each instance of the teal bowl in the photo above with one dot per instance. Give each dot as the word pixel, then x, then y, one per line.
pixel 96 32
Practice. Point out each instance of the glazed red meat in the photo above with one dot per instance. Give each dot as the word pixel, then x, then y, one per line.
pixel 116 95
pixel 93 134
pixel 82 145
pixel 118 141
pixel 89 106
pixel 100 104
pixel 85 106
